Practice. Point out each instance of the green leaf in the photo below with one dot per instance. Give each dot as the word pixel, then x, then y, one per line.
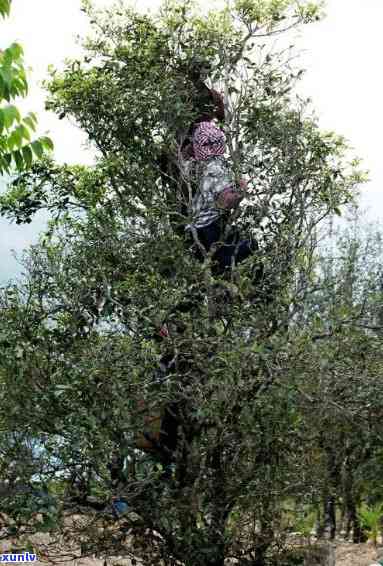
pixel 15 139
pixel 6 76
pixel 33 117
pixel 38 148
pixel 47 143
pixel 8 158
pixel 29 122
pixel 10 115
pixel 19 87
pixel 27 155
pixel 5 7
pixel 4 167
pixel 19 161
pixel 16 50
pixel 24 132
pixel 5 91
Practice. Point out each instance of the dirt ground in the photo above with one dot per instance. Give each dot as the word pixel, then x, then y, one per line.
pixel 348 554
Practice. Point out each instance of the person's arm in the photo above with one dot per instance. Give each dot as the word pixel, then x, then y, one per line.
pixel 216 179
pixel 232 195
pixel 221 189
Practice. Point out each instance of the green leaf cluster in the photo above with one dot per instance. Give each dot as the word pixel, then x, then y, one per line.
pixel 371 519
pixel 5 7
pixel 269 14
pixel 17 150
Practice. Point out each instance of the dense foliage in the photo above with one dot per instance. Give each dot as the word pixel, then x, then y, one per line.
pixel 276 384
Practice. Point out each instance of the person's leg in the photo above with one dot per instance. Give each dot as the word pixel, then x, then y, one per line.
pixel 116 469
pixel 225 254
pixel 164 447
pixel 169 428
pixel 209 235
pixel 230 246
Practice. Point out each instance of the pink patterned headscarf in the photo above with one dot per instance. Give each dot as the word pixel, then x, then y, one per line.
pixel 208 141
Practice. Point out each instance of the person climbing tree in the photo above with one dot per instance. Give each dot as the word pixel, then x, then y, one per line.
pixel 160 436
pixel 217 195
pixel 207 104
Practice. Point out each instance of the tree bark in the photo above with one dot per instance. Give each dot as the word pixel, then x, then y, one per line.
pixel 329 517
pixel 320 555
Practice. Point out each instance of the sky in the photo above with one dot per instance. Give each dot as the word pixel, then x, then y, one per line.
pixel 341 55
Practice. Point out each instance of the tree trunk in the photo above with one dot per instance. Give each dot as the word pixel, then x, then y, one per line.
pixel 329 517
pixel 220 511
pixel 211 548
pixel 329 499
pixel 341 524
pixel 320 555
pixel 352 520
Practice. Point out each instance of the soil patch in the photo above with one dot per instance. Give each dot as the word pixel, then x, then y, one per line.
pixel 348 554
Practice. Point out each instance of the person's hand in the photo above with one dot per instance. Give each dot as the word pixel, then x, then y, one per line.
pixel 243 184
pixel 187 152
pixel 229 198
pixel 164 332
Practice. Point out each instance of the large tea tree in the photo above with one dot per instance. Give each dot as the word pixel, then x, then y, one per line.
pixel 80 334
pixel 17 149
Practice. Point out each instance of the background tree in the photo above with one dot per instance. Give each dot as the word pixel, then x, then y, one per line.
pixel 341 304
